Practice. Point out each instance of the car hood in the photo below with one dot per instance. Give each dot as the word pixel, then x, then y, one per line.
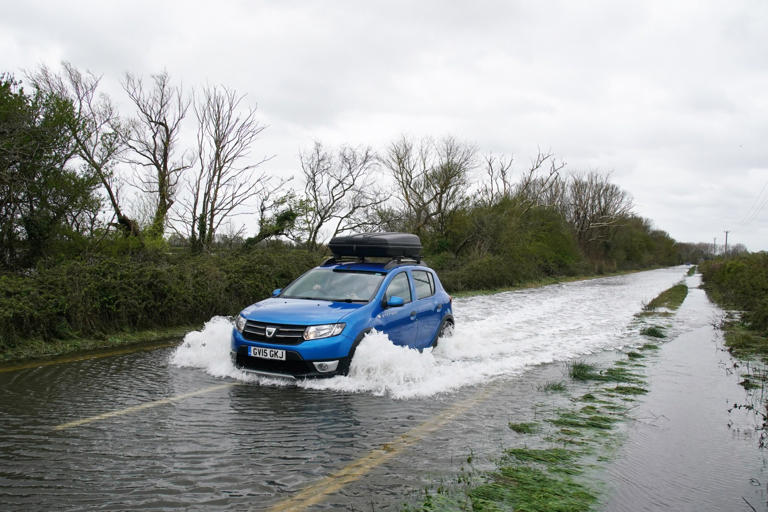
pixel 299 311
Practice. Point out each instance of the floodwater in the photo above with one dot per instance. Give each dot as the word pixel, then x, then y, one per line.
pixel 688 448
pixel 180 428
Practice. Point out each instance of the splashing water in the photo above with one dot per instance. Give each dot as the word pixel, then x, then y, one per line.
pixel 495 335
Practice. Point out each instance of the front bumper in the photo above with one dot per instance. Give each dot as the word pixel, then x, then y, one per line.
pixel 294 365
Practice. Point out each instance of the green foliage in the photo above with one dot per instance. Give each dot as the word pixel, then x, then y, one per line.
pixel 45 203
pixel 498 246
pixel 106 293
pixel 740 282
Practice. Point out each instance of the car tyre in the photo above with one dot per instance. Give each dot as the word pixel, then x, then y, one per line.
pixel 446 329
pixel 347 361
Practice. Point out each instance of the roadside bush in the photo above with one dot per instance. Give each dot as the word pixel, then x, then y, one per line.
pixel 101 294
pixel 740 282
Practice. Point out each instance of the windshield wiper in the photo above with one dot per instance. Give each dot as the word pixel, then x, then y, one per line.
pixel 305 298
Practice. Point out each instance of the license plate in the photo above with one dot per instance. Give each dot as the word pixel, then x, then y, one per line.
pixel 266 353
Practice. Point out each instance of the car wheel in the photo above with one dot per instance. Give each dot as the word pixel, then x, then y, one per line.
pixel 347 361
pixel 446 329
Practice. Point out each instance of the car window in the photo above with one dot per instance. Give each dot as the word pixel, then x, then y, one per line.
pixel 422 282
pixel 399 288
pixel 335 285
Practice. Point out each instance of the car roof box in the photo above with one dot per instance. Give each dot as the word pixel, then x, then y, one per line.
pixel 377 245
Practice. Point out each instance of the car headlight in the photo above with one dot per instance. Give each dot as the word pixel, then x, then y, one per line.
pixel 240 323
pixel 314 332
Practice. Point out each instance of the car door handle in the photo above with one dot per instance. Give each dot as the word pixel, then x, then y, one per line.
pixel 413 315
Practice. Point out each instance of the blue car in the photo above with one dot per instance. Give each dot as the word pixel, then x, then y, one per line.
pixel 311 327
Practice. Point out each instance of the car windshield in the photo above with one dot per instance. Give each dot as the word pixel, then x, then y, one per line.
pixel 336 285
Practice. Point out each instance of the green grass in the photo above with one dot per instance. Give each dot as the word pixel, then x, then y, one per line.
pixel 553 387
pixel 649 346
pixel 548 457
pixel 524 428
pixel 670 299
pixel 748 384
pixel 629 390
pixel 635 355
pixel 39 349
pixel 654 331
pixel 745 343
pixel 691 271
pixel 582 371
pixel 591 421
pixel 529 489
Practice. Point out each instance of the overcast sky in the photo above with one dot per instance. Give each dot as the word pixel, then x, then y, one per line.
pixel 671 97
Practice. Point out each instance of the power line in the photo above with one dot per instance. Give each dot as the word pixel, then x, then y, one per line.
pixel 756 207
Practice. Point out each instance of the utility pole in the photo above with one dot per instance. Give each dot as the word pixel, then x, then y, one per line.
pixel 726 243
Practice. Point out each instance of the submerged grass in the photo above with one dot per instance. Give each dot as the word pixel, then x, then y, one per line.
pixel 654 331
pixel 526 488
pixel 553 387
pixel 629 390
pixel 582 371
pixel 525 428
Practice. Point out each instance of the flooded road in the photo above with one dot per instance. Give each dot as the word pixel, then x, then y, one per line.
pixel 180 428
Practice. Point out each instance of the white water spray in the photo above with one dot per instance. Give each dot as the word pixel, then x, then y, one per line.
pixel 496 335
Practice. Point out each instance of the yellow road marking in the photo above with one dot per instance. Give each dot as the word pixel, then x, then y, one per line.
pixel 141 407
pixel 86 357
pixel 317 492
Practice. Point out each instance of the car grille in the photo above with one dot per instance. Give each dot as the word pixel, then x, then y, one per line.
pixel 293 364
pixel 284 334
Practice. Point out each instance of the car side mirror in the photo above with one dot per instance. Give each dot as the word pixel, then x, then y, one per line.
pixel 276 292
pixel 395 302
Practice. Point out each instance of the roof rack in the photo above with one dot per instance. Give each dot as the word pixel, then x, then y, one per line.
pixel 335 260
pixel 403 260
pixel 392 263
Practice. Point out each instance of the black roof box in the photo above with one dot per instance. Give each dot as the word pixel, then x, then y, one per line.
pixel 380 245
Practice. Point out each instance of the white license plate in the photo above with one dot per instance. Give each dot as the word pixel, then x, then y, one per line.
pixel 266 353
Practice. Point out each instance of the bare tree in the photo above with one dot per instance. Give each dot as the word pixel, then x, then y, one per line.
pixel 431 179
pixel 153 138
pixel 339 189
pixel 540 185
pixel 226 177
pixel 594 204
pixel 95 127
pixel 498 183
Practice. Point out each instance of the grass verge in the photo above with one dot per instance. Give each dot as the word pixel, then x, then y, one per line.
pixel 32 350
pixel 670 299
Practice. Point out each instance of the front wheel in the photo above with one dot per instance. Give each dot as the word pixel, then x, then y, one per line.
pixel 347 361
pixel 446 329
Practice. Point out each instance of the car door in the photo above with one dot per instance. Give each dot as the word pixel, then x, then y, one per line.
pixel 428 310
pixel 399 323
